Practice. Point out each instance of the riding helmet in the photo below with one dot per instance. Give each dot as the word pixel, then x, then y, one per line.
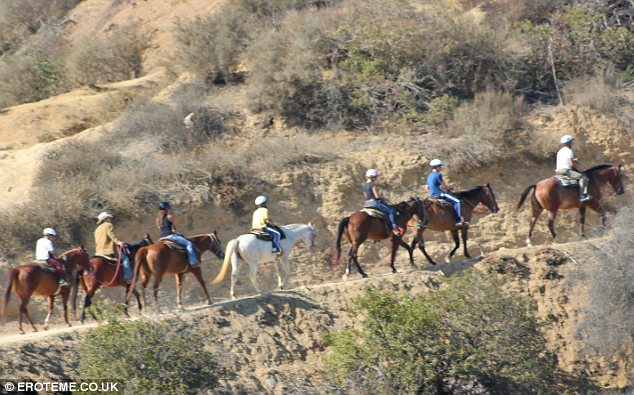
pixel 260 200
pixel 165 206
pixel 49 232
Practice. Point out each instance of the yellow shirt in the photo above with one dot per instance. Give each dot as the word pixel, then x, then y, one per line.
pixel 105 239
pixel 259 218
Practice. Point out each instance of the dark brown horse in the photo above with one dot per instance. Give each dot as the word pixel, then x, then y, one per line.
pixel 32 279
pixel 442 219
pixel 102 273
pixel 360 226
pixel 158 259
pixel 550 196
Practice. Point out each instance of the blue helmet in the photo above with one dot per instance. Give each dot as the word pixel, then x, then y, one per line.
pixel 165 206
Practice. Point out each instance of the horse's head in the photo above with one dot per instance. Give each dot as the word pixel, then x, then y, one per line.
pixel 488 198
pixel 215 246
pixel 147 240
pixel 616 179
pixel 77 257
pixel 311 238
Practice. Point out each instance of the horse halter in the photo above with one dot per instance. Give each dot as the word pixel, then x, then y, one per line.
pixel 213 240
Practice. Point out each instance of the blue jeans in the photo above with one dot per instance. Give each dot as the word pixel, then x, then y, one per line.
pixel 455 204
pixel 276 236
pixel 125 265
pixel 391 212
pixel 191 253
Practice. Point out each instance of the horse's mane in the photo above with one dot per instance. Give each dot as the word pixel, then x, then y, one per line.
pixel 470 192
pixel 599 167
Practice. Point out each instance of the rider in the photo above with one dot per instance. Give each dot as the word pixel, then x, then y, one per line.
pixel 438 188
pixel 165 222
pixel 376 200
pixel 45 252
pixel 105 241
pixel 262 222
pixel 567 166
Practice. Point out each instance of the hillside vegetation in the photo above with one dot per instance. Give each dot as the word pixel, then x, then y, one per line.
pixel 295 99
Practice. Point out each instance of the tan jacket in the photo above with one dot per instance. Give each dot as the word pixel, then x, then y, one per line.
pixel 105 240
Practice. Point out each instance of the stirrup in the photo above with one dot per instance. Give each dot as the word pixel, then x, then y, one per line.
pixel 585 198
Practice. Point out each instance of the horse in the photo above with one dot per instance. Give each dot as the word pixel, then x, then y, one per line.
pixel 158 258
pixel 442 219
pixel 30 279
pixel 360 226
pixel 101 273
pixel 550 196
pixel 254 251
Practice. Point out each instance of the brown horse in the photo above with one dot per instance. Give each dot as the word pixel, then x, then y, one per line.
pixel 550 196
pixel 32 279
pixel 158 259
pixel 442 219
pixel 101 273
pixel 360 226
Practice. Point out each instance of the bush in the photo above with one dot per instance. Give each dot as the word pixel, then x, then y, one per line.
pixel 150 357
pixel 116 57
pixel 470 333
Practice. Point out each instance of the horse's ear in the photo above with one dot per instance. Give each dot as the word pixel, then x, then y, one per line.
pixel 311 224
pixel 215 232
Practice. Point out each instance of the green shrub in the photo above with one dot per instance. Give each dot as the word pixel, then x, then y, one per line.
pixel 150 357
pixel 469 333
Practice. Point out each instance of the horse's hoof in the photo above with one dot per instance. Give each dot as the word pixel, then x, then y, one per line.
pixel 394 271
pixel 467 256
pixel 69 325
pixel 448 260
pixel 364 275
pixel 344 277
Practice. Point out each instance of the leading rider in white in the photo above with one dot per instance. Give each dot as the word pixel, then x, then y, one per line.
pixel 255 251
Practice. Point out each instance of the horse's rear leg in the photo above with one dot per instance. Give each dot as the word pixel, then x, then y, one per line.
pixel 199 276
pixel 582 221
pixel 235 270
pixel 136 295
pixel 50 300
pixel 537 210
pixel 155 289
pixel 353 257
pixel 88 302
pixel 456 240
pixel 421 246
pixel 253 272
pixel 23 310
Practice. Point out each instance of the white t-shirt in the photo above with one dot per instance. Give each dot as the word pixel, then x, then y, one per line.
pixel 42 249
pixel 563 158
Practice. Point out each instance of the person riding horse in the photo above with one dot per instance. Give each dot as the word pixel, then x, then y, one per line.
pixel 45 252
pixel 105 241
pixel 262 222
pixel 165 223
pixel 374 199
pixel 439 189
pixel 567 165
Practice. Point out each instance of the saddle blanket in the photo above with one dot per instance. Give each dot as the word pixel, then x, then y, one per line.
pixel 172 244
pixel 372 212
pixel 567 182
pixel 262 235
pixel 438 202
pixel 45 266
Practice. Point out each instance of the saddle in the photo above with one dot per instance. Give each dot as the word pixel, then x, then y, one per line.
pixel 567 182
pixel 172 245
pixel 109 259
pixel 45 266
pixel 440 202
pixel 262 235
pixel 375 213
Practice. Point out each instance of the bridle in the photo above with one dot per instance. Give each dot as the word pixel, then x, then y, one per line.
pixel 213 241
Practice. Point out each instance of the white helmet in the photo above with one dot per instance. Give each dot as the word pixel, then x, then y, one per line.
pixel 566 139
pixel 372 173
pixel 435 163
pixel 260 200
pixel 49 232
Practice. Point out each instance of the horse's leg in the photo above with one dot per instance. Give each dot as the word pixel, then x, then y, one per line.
pixel 537 210
pixel 88 302
pixel 350 260
pixel 50 300
pixel 179 287
pixel 410 250
pixel 197 272
pixel 395 243
pixel 65 296
pixel 253 272
pixel 145 280
pixel 464 231
pixel 456 240
pixel 155 288
pixel 421 246
pixel 287 272
pixel 582 221
pixel 552 215
pixel 353 256
pixel 235 270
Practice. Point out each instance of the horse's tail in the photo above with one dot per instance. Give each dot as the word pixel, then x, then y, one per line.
pixel 232 246
pixel 523 197
pixel 13 274
pixel 139 260
pixel 342 226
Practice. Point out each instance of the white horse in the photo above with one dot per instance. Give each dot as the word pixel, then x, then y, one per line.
pixel 255 251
